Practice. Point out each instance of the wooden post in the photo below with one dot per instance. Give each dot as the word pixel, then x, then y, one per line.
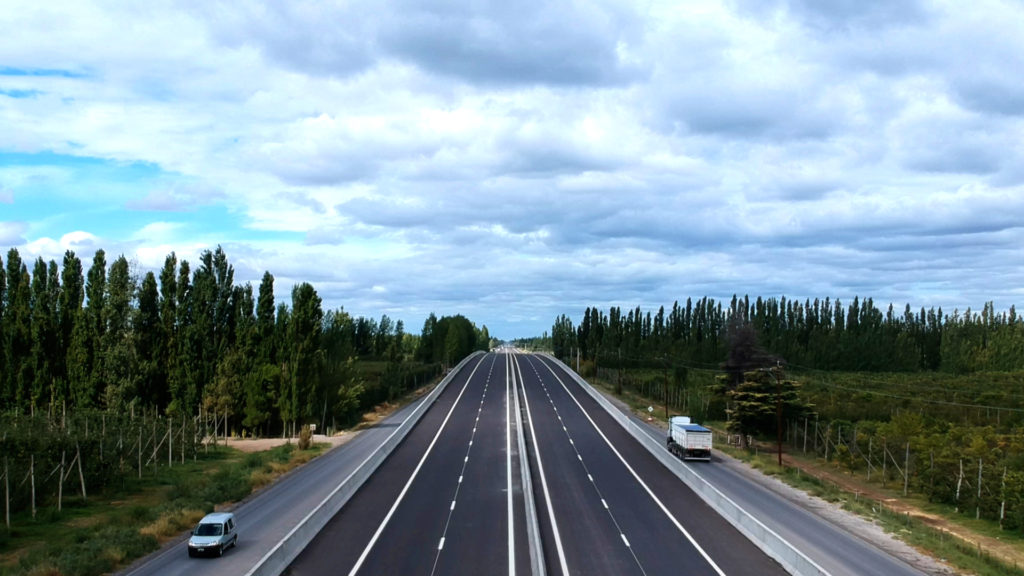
pixel 81 476
pixel 906 469
pixel 959 481
pixel 60 483
pixel 805 434
pixel 7 495
pixel 977 509
pixel 1002 497
pixel 870 442
pixel 170 441
pixel 140 451
pixel 815 435
pixel 32 473
pixel 885 460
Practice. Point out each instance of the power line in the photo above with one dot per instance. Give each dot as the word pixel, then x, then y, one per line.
pixel 918 399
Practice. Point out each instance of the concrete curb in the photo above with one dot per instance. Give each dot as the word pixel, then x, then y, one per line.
pixel 532 522
pixel 776 547
pixel 280 556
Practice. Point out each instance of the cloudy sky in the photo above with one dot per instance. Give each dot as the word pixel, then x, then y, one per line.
pixel 512 161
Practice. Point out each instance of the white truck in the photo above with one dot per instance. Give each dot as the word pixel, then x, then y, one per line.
pixel 687 440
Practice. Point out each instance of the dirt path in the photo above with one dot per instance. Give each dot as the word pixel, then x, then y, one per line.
pixel 261 444
pixel 1010 553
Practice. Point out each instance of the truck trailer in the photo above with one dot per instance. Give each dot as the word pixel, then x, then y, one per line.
pixel 687 440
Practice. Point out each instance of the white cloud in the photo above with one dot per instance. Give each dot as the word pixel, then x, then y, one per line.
pixel 517 162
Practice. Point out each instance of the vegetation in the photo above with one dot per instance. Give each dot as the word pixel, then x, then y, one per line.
pixel 822 335
pixel 103 371
pixel 96 536
pixel 927 404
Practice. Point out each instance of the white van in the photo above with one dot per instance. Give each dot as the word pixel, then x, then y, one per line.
pixel 214 533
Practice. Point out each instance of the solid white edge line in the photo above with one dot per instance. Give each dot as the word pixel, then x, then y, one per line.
pixel 401 495
pixel 543 479
pixel 637 476
pixel 508 469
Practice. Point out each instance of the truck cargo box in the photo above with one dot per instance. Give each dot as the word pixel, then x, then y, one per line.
pixel 687 440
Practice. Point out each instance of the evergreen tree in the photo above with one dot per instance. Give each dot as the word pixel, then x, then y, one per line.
pixel 18 323
pixel 44 335
pixel 4 343
pixel 305 355
pixel 69 312
pixel 120 373
pixel 147 330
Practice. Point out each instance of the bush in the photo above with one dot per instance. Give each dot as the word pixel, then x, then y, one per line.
pixel 305 438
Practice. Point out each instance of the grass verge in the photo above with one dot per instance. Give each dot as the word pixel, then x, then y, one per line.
pixel 110 530
pixel 959 554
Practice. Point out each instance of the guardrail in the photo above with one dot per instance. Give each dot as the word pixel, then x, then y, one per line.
pixel 792 560
pixel 280 556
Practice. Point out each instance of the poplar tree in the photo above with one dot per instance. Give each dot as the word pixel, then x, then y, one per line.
pixel 4 360
pixel 44 337
pixel 69 312
pixel 18 323
pixel 119 360
pixel 147 330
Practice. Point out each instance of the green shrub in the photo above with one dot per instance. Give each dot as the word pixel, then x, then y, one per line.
pixel 305 438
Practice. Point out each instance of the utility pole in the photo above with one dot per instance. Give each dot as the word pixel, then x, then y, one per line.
pixel 774 371
pixel 666 390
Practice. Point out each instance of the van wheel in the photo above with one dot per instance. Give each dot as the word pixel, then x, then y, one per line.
pixel 234 542
pixel 220 550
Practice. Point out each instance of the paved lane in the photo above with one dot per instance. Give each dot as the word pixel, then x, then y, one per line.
pixel 269 515
pixel 627 513
pixel 440 503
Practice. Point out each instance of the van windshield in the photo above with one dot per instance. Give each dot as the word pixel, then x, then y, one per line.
pixel 209 530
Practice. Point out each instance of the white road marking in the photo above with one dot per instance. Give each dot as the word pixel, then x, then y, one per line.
pixel 508 470
pixel 603 502
pixel 412 477
pixel 544 482
pixel 624 540
pixel 637 476
pixel 440 545
pixel 453 505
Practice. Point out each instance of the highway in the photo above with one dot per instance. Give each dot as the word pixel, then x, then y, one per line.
pixel 837 550
pixel 611 508
pixel 447 500
pixel 269 515
pixel 460 496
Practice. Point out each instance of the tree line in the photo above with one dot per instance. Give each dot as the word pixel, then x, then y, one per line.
pixel 185 340
pixel 821 334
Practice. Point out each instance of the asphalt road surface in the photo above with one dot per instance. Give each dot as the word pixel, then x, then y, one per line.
pixel 833 547
pixel 611 507
pixel 446 501
pixel 267 517
pixel 449 499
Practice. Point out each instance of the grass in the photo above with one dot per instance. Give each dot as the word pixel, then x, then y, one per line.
pixel 963 556
pixel 110 530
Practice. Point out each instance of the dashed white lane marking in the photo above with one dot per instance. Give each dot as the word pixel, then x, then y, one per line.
pixel 440 545
pixel 636 476
pixel 586 470
pixel 412 477
pixel 465 462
